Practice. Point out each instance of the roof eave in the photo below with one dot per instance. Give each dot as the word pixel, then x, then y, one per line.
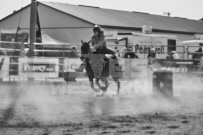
pixel 154 30
pixel 14 13
pixel 66 13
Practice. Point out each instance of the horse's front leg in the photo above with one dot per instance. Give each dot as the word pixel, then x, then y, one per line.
pixel 92 85
pixel 105 81
pixel 116 80
pixel 98 84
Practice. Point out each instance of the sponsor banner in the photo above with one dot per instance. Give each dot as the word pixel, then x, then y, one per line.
pixel 128 67
pixel 148 40
pixel 177 66
pixel 39 67
pixel 134 67
pixel 142 51
pixel 70 64
pixel 4 66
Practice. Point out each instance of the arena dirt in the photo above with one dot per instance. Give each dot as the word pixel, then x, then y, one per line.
pixel 32 109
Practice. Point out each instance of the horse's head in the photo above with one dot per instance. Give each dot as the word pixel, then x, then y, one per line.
pixel 85 48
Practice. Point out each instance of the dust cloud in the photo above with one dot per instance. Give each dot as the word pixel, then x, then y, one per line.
pixel 33 103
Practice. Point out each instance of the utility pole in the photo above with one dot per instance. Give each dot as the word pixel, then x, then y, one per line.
pixel 32 27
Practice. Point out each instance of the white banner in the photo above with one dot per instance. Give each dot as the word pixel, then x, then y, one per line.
pixel 39 67
pixel 134 67
pixel 70 64
pixel 4 66
pixel 130 67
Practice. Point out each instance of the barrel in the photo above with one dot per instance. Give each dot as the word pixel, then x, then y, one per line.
pixel 163 84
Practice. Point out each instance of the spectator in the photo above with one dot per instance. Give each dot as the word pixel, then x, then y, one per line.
pixel 2 52
pixel 200 51
pixel 117 52
pixel 197 56
pixel 74 52
pixel 152 53
pixel 128 53
pixel 175 55
pixel 170 55
pixel 151 56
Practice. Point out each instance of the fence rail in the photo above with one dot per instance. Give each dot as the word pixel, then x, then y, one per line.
pixel 64 60
pixel 64 49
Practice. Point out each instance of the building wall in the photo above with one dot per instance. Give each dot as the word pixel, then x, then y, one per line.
pixel 69 35
pixel 58 25
pixel 63 27
pixel 181 37
pixel 21 19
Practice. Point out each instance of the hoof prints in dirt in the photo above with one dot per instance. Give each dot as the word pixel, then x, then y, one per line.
pixel 156 116
pixel 103 125
pixel 150 132
pixel 111 126
pixel 146 127
pixel 95 125
pixel 173 127
pixel 123 119
pixel 45 134
pixel 124 131
pixel 105 132
pixel 185 121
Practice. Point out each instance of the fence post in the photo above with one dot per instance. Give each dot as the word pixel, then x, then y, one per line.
pixel 187 52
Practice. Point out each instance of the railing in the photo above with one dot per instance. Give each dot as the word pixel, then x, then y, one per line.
pixel 17 52
pixel 63 50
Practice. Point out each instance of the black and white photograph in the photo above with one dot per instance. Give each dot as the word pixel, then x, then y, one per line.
pixel 101 67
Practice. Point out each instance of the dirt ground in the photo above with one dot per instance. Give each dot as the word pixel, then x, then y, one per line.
pixel 34 110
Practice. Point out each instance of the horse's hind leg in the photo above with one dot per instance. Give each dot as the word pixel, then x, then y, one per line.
pixel 116 80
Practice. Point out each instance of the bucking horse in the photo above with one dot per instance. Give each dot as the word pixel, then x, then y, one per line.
pixel 100 67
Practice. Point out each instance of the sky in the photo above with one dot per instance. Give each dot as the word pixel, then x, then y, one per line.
pixel 191 9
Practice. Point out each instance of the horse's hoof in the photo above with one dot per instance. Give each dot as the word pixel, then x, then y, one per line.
pixel 98 94
pixel 103 89
pixel 97 90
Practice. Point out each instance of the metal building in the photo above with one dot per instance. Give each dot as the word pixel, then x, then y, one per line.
pixel 72 23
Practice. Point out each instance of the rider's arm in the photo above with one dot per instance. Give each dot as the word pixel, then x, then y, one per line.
pixel 100 43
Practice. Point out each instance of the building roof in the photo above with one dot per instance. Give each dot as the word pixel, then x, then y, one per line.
pixel 127 19
pixel 117 18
